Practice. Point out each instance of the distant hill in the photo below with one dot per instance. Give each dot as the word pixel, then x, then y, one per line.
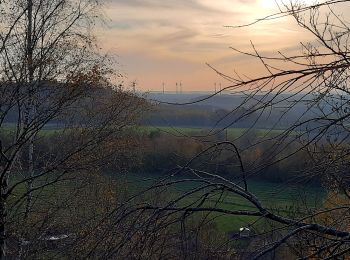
pixel 225 110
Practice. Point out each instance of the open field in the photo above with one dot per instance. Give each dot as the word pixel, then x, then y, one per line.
pixel 49 129
pixel 279 198
pixel 195 132
pixel 231 133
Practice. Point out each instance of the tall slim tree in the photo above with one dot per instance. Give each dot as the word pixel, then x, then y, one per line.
pixel 52 73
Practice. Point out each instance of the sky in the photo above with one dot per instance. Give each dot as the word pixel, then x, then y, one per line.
pixel 172 41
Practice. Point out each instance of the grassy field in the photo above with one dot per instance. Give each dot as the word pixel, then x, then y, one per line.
pixel 231 133
pixel 194 132
pixel 279 198
pixel 8 129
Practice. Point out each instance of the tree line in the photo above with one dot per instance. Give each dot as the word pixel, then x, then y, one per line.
pixel 56 201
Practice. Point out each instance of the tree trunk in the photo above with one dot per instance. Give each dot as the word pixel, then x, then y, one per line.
pixel 30 108
pixel 30 175
pixel 3 215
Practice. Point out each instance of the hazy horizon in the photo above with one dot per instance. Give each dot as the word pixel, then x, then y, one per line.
pixel 171 41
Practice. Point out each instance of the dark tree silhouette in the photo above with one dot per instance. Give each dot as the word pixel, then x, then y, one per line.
pixel 312 84
pixel 52 75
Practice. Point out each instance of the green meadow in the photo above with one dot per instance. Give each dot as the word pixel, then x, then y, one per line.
pixel 283 199
pixel 280 198
pixel 231 133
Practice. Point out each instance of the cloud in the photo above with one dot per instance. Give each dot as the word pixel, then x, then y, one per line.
pixel 174 37
pixel 161 4
pixel 248 1
pixel 182 34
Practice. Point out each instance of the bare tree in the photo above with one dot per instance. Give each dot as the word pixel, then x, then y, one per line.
pixel 315 79
pixel 52 75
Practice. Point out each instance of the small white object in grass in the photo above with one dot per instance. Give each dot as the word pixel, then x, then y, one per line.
pixel 58 237
pixel 244 232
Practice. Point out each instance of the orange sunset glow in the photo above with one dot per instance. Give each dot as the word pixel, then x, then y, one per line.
pixel 171 41
pixel 175 129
